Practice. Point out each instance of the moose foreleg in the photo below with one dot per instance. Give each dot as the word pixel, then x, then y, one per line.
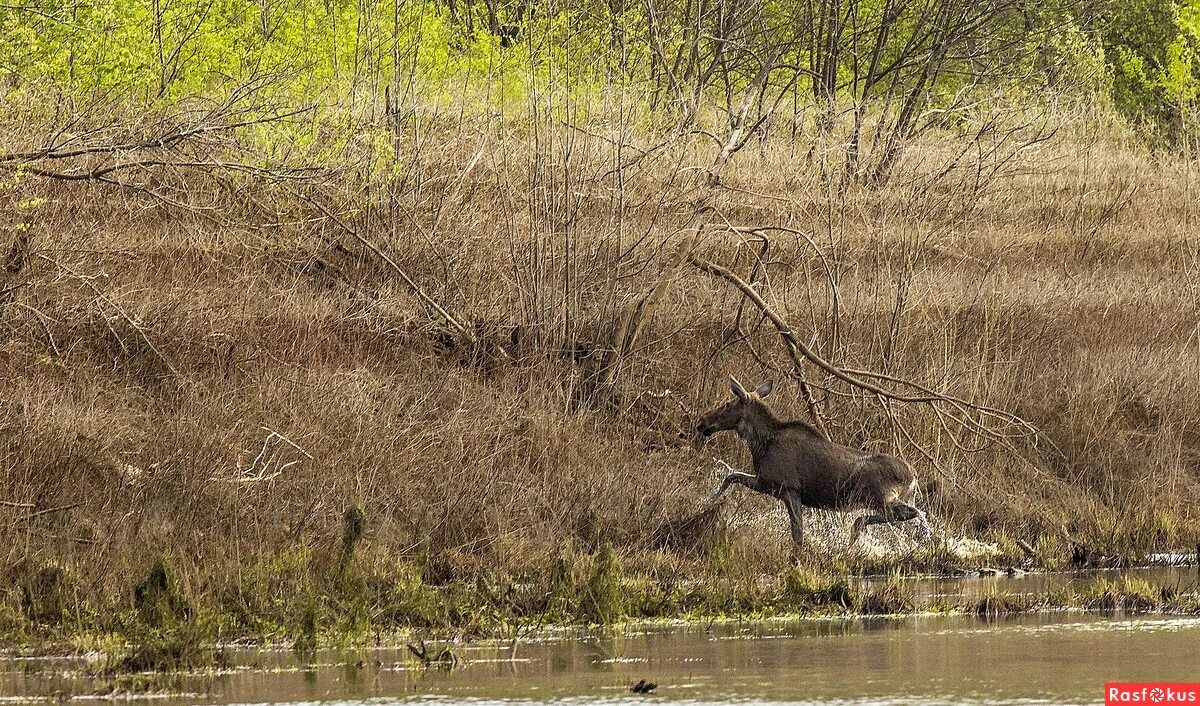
pixel 861 522
pixel 894 512
pixel 737 478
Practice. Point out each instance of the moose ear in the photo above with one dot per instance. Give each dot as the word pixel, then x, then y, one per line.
pixel 738 391
pixel 765 388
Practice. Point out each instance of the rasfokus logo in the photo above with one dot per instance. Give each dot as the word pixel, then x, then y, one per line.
pixel 1152 693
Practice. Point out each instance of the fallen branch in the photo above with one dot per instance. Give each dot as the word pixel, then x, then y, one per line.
pixel 51 510
pixel 165 140
pixel 98 173
pixel 32 511
pixel 186 142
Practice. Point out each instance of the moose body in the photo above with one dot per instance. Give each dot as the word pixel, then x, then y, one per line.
pixel 796 464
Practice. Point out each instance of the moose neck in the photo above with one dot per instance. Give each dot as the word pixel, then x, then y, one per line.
pixel 757 428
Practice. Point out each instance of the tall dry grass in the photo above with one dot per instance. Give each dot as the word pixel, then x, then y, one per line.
pixel 217 384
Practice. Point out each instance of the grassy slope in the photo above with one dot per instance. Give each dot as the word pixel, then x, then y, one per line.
pixel 144 381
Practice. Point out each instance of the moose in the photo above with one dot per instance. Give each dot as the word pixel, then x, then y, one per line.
pixel 796 464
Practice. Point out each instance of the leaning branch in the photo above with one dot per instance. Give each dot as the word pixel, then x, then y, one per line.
pixel 800 352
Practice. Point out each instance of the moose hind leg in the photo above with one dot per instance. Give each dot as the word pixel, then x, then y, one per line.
pixel 903 512
pixel 893 512
pixel 795 511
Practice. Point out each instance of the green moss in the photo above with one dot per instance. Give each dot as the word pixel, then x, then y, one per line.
pixel 354 524
pixel 183 646
pixel 127 685
pixel 890 597
pixel 43 590
pixel 994 604
pixel 1186 603
pixel 304 639
pixel 406 599
pixel 307 601
pixel 1127 594
pixel 14 621
pixel 158 599
pixel 265 595
pixel 805 588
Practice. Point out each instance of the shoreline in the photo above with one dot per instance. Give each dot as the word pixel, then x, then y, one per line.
pixel 196 640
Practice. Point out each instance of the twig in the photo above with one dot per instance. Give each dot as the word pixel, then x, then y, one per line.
pixel 163 141
pixel 266 459
pixel 288 441
pixel 51 510
pixel 413 287
pixel 109 300
pixel 41 319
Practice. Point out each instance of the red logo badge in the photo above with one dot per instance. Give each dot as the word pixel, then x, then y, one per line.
pixel 1165 693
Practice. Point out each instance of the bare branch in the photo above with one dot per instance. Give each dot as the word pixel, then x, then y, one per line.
pixel 855 378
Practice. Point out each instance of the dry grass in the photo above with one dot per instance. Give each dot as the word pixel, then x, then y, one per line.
pixel 217 387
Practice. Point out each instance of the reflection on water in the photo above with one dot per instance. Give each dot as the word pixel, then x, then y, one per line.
pixel 1030 659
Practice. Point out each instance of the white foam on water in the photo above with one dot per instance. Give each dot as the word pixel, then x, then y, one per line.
pixel 829 531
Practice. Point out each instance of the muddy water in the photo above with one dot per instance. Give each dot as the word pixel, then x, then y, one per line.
pixel 1041 658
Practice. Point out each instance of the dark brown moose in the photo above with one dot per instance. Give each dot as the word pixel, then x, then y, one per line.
pixel 794 463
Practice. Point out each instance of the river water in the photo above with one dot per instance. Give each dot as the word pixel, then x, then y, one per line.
pixel 1051 658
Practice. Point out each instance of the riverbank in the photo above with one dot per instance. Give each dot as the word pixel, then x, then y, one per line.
pixel 356 606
